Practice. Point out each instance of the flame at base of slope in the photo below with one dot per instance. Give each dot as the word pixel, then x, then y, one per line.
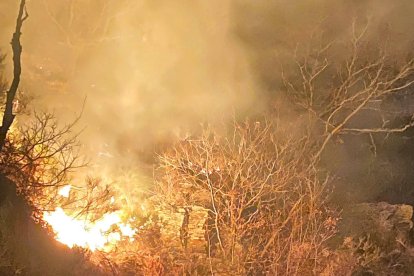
pixel 102 234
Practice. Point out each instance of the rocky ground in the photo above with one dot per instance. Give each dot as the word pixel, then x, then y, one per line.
pixel 377 235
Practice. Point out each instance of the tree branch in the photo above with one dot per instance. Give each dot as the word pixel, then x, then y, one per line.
pixel 8 116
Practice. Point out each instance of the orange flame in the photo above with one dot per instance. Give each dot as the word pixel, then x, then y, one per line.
pixel 92 235
pixel 101 234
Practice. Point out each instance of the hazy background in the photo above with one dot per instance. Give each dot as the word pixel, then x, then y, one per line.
pixel 153 70
pixel 149 69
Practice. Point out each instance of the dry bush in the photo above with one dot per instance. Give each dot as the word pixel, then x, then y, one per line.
pixel 266 203
pixel 39 157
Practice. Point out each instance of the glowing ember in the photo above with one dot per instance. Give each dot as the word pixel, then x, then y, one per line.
pixel 86 234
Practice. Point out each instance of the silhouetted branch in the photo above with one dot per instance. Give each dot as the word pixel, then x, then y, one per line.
pixel 8 116
pixel 335 93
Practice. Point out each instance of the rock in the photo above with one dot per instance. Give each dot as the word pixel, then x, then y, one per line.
pixel 387 225
pixel 181 226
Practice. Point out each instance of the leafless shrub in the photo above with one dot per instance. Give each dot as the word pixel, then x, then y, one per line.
pixel 266 205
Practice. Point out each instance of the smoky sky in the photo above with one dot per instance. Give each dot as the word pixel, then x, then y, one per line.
pixel 152 70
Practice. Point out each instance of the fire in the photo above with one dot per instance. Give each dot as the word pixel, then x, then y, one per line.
pixel 65 191
pixel 101 234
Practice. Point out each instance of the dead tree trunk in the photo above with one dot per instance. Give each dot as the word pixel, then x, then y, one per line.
pixel 8 116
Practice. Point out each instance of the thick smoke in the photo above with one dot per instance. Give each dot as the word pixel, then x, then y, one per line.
pixel 152 70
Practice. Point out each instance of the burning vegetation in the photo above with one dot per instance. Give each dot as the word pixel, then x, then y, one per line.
pixel 275 191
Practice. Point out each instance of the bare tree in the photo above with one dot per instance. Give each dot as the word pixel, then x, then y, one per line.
pixel 79 35
pixel 336 92
pixel 8 116
pixel 266 206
